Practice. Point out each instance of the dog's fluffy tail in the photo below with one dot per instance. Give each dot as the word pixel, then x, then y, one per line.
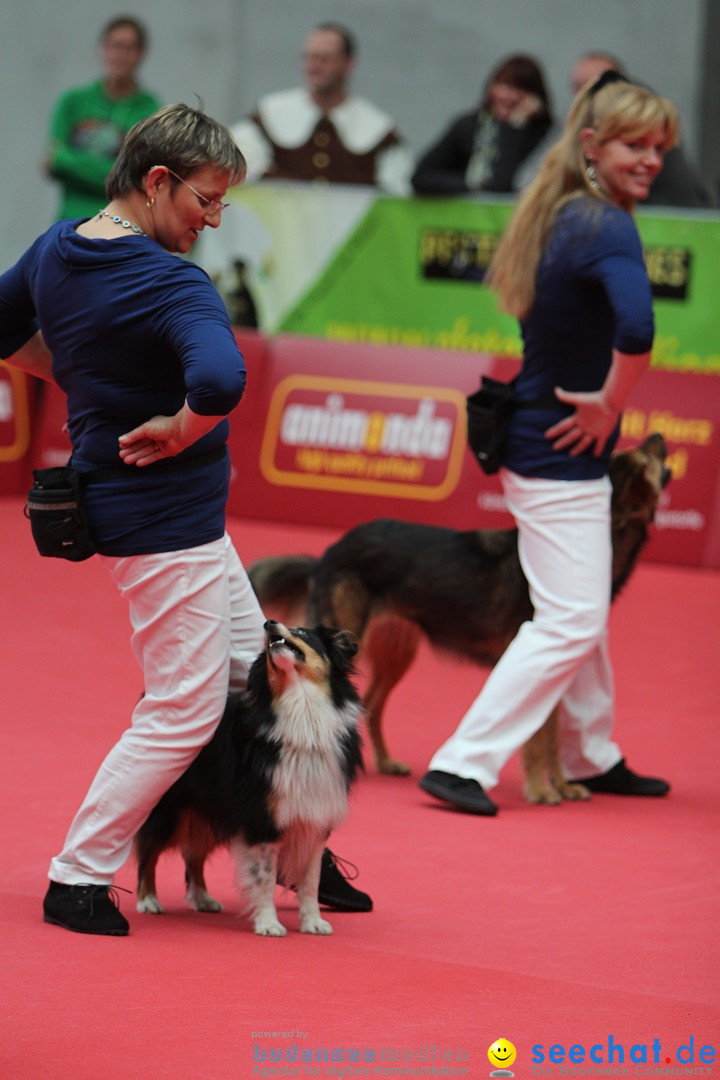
pixel 282 585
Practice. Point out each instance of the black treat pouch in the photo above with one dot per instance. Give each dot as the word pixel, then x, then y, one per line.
pixel 488 414
pixel 57 516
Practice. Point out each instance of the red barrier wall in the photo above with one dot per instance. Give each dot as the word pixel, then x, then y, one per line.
pixel 335 434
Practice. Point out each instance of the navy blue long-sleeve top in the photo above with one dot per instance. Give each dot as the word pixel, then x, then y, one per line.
pixel 134 331
pixel 592 295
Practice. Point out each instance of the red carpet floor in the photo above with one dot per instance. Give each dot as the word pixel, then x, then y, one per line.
pixel 587 925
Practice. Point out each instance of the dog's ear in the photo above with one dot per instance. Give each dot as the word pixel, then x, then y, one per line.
pixel 346 642
pixel 341 643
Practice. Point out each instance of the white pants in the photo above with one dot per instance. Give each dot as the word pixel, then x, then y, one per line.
pixel 197 627
pixel 561 656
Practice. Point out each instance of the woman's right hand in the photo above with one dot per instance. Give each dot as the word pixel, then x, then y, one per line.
pixel 592 422
pixel 597 413
pixel 157 438
pixel 165 436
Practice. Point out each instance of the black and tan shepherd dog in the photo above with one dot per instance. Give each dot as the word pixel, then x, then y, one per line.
pixel 271 784
pixel 392 582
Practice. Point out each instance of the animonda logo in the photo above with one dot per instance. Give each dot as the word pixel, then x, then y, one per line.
pixel 372 438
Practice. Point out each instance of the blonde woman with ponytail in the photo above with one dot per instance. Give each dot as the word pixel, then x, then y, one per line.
pixel 570 268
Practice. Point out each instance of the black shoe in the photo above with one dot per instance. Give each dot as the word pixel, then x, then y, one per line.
pixel 335 890
pixel 467 795
pixel 622 781
pixel 86 909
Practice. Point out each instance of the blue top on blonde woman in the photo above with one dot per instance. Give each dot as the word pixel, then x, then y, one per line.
pixel 147 331
pixel 592 295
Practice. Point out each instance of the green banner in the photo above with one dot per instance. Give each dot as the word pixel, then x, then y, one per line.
pixel 411 273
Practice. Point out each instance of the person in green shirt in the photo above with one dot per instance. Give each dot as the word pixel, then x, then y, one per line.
pixel 89 122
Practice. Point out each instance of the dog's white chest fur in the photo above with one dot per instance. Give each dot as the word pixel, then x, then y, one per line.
pixel 309 784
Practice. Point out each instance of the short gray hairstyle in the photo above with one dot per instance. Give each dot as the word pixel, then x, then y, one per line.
pixel 180 137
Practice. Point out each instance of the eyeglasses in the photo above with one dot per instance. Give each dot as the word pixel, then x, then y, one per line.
pixel 210 206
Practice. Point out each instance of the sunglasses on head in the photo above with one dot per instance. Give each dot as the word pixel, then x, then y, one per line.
pixel 607 79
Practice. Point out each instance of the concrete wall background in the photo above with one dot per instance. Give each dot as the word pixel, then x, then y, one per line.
pixel 422 60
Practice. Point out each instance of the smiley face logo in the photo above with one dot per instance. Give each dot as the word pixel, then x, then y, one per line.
pixel 502 1054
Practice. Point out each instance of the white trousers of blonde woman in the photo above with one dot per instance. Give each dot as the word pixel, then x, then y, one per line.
pixel 197 628
pixel 561 655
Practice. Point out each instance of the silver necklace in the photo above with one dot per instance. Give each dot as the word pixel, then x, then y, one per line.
pixel 123 222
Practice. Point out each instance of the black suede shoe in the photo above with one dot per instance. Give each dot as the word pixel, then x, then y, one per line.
pixel 86 909
pixel 466 795
pixel 622 781
pixel 335 890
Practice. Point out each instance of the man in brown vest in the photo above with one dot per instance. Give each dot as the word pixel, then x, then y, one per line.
pixel 322 132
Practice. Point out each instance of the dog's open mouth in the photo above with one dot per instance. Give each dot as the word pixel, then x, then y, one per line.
pixel 277 641
pixel 282 643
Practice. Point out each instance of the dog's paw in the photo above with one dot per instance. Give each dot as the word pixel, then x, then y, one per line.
pixel 203 901
pixel 542 795
pixel 574 792
pixel 393 767
pixel 269 927
pixel 315 924
pixel 150 905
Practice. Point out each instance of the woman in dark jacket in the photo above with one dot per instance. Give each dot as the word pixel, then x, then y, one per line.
pixel 481 151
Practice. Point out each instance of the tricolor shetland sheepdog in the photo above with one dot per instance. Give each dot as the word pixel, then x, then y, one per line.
pixel 271 784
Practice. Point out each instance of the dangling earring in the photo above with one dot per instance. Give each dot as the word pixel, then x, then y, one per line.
pixel 591 174
pixel 151 202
